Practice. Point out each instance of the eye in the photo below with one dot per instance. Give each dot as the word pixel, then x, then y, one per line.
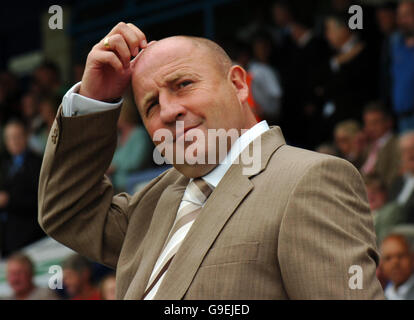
pixel 184 83
pixel 151 104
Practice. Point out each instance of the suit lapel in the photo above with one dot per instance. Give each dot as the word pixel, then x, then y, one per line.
pixel 161 224
pixel 219 207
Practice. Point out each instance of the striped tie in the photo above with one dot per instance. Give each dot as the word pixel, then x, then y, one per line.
pixel 196 194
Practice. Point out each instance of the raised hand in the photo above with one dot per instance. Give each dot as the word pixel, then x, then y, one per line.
pixel 107 71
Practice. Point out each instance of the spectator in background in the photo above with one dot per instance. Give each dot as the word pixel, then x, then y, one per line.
pixel 29 109
pixel 348 80
pixel 397 265
pixel 281 12
pixel 347 135
pixel 382 150
pixel 402 67
pixel 107 287
pixel 327 148
pixel 400 208
pixel 301 108
pixel 78 70
pixel 134 149
pixel 48 106
pixel 47 80
pixel 9 96
pixel 20 271
pixel 77 275
pixel 18 191
pixel 386 17
pixel 265 84
pixel 376 192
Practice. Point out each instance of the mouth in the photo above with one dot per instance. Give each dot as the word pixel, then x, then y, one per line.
pixel 181 133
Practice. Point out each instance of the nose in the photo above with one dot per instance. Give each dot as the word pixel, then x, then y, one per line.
pixel 171 109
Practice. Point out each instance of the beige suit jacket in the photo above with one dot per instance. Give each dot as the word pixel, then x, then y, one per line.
pixel 291 230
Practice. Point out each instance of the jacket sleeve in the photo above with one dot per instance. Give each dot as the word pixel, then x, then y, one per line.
pixel 77 206
pixel 328 248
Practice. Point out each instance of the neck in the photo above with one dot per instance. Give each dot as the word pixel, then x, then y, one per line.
pixel 409 41
pixel 86 291
pixel 23 295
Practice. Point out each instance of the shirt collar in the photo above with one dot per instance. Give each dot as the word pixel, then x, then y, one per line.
pixel 384 139
pixel 19 157
pixel 349 44
pixel 399 293
pixel 214 177
pixel 305 38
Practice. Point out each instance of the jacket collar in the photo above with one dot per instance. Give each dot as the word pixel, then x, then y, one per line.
pixel 200 238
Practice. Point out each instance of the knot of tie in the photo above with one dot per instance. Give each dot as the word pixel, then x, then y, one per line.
pixel 199 191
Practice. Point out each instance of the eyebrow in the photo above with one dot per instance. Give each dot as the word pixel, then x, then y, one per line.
pixel 176 76
pixel 150 96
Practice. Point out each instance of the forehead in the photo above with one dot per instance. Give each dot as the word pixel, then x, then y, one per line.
pixel 167 60
pixel 394 244
pixel 407 141
pixel 405 6
pixel 14 128
pixel 15 264
pixel 164 55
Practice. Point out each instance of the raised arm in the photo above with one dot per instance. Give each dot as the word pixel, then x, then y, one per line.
pixel 76 202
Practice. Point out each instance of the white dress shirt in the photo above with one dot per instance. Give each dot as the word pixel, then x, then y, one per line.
pixel 74 104
pixel 407 189
pixel 400 293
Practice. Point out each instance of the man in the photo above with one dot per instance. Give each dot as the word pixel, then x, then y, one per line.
pixel 402 66
pixel 386 17
pixel 77 272
pixel 347 80
pixel 400 206
pixel 348 139
pixel 376 192
pixel 397 265
pixel 18 191
pixel 290 228
pixel 301 109
pixel 20 272
pixel 265 83
pixel 382 151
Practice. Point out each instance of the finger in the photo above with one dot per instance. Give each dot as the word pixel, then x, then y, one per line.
pixel 118 45
pixel 133 61
pixel 133 36
pixel 141 36
pixel 109 58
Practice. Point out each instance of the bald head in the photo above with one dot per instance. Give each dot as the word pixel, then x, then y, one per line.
pixel 405 18
pixel 396 259
pixel 209 49
pixel 213 50
pixel 398 238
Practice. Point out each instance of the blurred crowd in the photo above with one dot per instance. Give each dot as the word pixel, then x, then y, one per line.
pixel 334 90
pixel 80 280
pixel 347 93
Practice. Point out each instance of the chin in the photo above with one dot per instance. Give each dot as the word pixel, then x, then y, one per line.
pixel 194 171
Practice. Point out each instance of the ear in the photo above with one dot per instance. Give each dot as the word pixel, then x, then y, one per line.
pixel 237 76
